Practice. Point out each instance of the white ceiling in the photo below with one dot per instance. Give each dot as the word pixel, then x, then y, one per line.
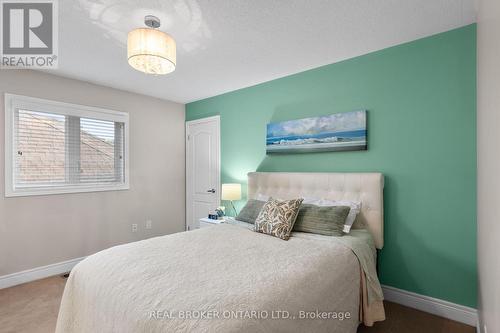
pixel 224 45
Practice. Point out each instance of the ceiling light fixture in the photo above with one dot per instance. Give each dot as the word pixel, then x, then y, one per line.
pixel 150 50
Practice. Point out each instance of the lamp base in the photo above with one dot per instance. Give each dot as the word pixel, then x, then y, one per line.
pixel 235 212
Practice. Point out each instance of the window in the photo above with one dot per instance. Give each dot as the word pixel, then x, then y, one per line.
pixel 53 147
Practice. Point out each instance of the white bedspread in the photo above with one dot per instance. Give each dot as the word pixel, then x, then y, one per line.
pixel 227 278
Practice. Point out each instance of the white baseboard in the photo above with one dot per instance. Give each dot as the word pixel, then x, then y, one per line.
pixel 456 312
pixel 38 273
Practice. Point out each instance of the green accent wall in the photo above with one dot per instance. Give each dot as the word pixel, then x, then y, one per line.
pixel 421 102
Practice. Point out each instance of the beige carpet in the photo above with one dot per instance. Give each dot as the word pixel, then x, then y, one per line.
pixel 33 307
pixel 401 319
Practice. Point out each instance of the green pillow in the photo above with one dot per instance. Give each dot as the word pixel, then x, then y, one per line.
pixel 251 210
pixel 321 220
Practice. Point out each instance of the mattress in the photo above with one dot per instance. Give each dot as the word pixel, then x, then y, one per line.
pixel 225 278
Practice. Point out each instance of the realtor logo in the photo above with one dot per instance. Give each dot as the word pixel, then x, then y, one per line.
pixel 29 34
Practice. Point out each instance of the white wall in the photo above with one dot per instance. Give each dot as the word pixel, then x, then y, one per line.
pixel 41 230
pixel 488 144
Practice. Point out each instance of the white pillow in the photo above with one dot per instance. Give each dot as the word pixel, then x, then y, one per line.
pixel 312 201
pixel 353 213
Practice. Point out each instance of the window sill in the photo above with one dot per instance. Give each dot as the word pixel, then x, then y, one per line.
pixel 25 192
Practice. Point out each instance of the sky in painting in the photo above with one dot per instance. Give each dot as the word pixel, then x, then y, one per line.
pixel 338 122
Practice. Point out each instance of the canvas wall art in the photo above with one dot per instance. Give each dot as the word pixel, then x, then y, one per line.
pixel 336 132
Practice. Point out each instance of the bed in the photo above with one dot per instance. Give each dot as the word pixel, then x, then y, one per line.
pixel 227 278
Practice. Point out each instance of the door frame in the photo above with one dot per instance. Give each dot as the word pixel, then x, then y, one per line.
pixel 218 159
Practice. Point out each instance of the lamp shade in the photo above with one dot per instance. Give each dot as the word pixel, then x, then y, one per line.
pixel 231 192
pixel 151 51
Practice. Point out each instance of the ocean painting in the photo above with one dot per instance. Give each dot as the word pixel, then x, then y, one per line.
pixel 336 132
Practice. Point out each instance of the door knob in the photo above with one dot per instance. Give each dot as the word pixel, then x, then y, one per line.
pixel 211 190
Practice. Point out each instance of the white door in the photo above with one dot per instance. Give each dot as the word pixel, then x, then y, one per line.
pixel 202 169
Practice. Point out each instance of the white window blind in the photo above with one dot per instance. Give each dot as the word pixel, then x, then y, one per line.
pixel 100 156
pixel 60 148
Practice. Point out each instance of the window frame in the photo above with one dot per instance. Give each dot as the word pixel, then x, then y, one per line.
pixel 14 102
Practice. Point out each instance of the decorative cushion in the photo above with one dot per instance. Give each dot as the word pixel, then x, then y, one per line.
pixel 277 217
pixel 321 220
pixel 353 213
pixel 250 211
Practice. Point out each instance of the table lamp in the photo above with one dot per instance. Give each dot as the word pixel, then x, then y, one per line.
pixel 231 192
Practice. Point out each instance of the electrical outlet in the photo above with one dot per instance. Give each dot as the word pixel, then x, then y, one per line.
pixel 149 224
pixel 134 227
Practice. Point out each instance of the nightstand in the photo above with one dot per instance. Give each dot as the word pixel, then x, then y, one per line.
pixel 206 222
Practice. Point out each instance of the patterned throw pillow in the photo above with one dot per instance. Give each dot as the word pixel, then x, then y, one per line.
pixel 277 217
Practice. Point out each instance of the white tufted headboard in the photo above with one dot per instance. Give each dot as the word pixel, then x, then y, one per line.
pixel 365 187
